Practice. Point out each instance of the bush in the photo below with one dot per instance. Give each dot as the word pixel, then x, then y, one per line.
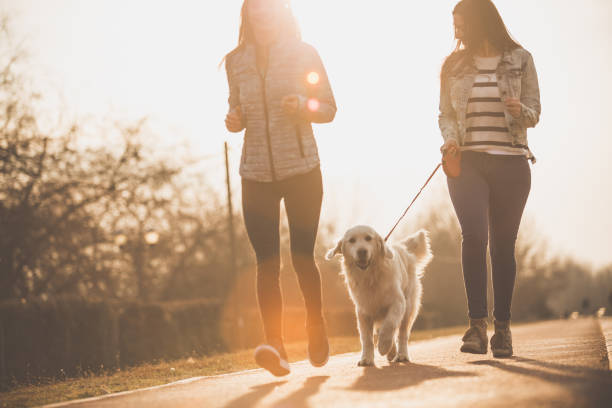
pixel 56 338
pixel 157 331
pixel 69 337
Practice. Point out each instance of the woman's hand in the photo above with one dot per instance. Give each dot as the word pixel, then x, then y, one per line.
pixel 290 104
pixel 233 120
pixel 514 107
pixel 451 146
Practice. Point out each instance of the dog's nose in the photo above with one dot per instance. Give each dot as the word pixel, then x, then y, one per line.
pixel 362 253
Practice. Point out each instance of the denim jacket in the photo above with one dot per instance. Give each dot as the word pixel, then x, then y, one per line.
pixel 516 77
pixel 278 146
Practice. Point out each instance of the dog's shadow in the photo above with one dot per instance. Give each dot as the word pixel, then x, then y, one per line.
pixel 398 376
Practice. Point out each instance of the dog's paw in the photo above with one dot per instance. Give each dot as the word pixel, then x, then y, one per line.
pixel 392 353
pixel 401 359
pixel 385 342
pixel 364 362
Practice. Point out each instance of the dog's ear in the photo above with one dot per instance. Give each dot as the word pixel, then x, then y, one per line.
pixel 334 251
pixel 384 248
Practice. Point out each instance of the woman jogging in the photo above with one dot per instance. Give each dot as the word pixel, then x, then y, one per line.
pixel 278 87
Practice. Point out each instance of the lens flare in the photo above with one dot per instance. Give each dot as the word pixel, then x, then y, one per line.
pixel 313 78
pixel 313 105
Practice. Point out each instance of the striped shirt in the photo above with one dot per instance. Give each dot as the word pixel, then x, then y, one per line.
pixel 487 130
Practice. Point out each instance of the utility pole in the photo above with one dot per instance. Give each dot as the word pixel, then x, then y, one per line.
pixel 238 319
pixel 230 215
pixel 139 260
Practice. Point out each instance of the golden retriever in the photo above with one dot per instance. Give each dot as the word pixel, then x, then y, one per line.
pixel 384 283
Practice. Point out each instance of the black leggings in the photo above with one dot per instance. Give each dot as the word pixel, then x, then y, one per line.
pixel 489 197
pixel 303 195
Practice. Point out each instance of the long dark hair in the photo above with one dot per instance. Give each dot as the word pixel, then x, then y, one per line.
pixel 482 23
pixel 288 25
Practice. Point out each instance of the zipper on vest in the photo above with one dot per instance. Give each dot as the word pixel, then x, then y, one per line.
pixel 265 106
pixel 298 134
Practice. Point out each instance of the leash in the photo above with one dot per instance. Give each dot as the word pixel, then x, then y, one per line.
pixel 413 200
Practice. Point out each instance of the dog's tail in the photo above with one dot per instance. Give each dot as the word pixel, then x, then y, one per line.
pixel 418 245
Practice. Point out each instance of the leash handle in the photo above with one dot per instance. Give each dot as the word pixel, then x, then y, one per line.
pixel 413 200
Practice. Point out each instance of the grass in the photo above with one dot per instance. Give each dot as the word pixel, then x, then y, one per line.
pixel 149 375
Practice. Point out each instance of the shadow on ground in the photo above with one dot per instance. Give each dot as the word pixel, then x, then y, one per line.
pixel 398 376
pixel 299 399
pixel 257 392
pixel 594 385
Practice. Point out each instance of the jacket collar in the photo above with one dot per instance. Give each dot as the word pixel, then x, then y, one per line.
pixel 507 58
pixel 281 43
pixel 248 52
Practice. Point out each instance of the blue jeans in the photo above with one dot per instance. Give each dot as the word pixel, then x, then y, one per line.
pixel 489 197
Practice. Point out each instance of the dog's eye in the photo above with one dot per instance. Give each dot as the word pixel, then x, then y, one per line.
pixel 368 238
pixel 352 240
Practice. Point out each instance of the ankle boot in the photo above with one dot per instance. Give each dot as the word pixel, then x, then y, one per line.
pixel 475 338
pixel 501 342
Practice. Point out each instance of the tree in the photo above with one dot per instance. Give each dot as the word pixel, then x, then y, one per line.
pixel 63 204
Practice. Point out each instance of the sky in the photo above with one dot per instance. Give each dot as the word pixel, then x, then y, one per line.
pixel 134 58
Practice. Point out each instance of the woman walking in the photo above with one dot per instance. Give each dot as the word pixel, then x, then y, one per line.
pixel 489 96
pixel 278 87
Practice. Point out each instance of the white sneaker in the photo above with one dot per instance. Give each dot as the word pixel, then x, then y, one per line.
pixel 269 358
